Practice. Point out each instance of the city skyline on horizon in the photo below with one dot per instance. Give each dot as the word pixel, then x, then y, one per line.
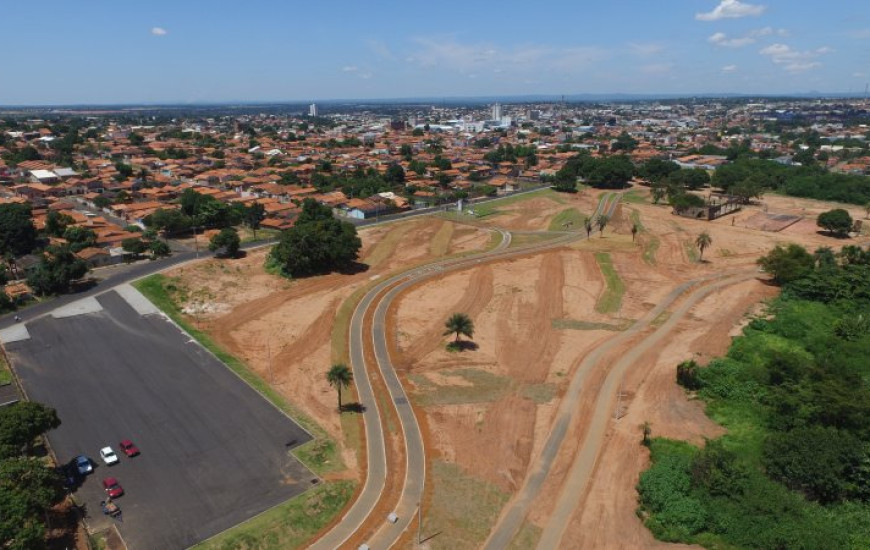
pixel 161 53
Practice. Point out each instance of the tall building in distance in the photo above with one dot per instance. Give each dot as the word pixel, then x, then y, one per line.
pixel 312 109
pixel 496 111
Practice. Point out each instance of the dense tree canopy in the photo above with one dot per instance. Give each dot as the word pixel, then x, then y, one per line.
pixel 317 243
pixel 17 233
pixel 837 221
pixel 226 243
pixel 56 271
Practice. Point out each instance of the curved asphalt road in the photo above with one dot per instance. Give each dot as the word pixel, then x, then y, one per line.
pixel 415 472
pixel 511 520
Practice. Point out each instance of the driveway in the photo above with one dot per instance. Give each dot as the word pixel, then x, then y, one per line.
pixel 214 452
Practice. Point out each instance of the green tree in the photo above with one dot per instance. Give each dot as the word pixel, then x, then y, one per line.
pixel 819 461
pixel 21 423
pixel 17 232
pixel 395 175
pixel 635 228
pixel 226 243
pixel 588 226
pixel 787 263
pixel 601 222
pixel 79 237
pixel 171 221
pixel 658 193
pixel 339 376
pixel 687 375
pixel 254 216
pixel 56 271
pixel 56 223
pixel 459 324
pixel 837 221
pixel 134 245
pixel 657 170
pixel 702 242
pixel 159 248
pixel 317 243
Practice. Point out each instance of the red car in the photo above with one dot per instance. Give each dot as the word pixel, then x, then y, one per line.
pixel 129 448
pixel 112 487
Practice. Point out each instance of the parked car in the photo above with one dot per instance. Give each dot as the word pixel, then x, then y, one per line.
pixel 112 487
pixel 108 456
pixel 83 465
pixel 70 474
pixel 129 448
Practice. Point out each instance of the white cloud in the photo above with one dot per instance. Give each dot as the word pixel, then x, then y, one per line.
pixel 469 58
pixel 159 31
pixel 729 68
pixel 350 69
pixel 858 75
pixel 731 9
pixel 795 61
pixel 721 39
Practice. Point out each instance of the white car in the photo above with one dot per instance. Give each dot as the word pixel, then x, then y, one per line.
pixel 108 456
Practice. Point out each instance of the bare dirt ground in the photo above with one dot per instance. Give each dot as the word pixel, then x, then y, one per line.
pixel 487 411
pixel 282 329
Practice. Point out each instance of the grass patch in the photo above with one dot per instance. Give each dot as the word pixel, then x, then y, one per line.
pixel 98 541
pixel 319 454
pixel 463 509
pixel 650 249
pixel 569 216
pixel 522 239
pixel 691 251
pixel 539 393
pixel 572 324
pixel 611 300
pixel 5 371
pixel 660 319
pixel 635 196
pixel 635 220
pixel 247 235
pixel 288 525
pixel 484 387
pixel 441 241
pixel 527 537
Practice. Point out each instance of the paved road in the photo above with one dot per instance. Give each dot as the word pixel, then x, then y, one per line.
pixel 413 484
pixel 574 486
pixel 214 452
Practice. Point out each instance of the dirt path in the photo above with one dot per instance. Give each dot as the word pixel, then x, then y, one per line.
pixel 574 487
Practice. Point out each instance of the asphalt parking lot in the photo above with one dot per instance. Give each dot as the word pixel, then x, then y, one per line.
pixel 214 452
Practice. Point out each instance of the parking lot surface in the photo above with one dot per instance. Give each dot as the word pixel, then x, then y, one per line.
pixel 214 452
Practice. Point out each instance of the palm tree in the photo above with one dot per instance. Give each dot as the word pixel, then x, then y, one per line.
pixel 602 223
pixel 702 242
pixel 339 376
pixel 459 323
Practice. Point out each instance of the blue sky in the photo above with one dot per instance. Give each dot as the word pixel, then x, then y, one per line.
pixel 62 52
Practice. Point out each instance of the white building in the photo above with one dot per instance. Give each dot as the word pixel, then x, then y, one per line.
pixel 496 111
pixel 312 109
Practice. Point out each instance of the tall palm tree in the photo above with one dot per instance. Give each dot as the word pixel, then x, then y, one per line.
pixel 602 223
pixel 339 376
pixel 702 242
pixel 459 323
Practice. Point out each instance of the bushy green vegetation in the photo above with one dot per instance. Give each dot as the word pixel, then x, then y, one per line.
pixel 794 392
pixel 317 243
pixel 29 487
